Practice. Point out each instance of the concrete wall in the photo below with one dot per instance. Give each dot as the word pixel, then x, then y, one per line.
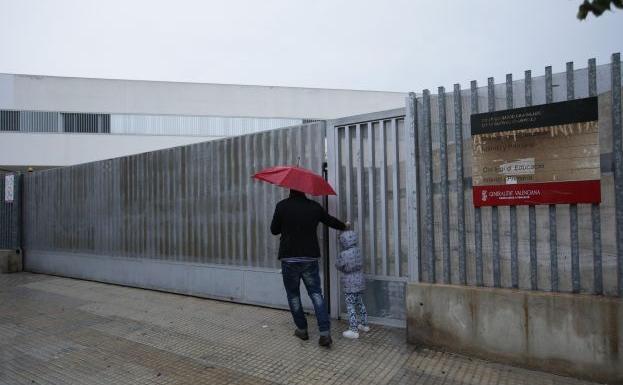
pixel 50 93
pixel 578 335
pixel 34 149
pixel 10 261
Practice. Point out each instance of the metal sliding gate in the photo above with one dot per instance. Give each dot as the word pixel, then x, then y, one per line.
pixel 187 219
pixel 404 180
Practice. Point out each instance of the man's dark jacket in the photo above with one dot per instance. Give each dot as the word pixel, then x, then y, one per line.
pixel 296 219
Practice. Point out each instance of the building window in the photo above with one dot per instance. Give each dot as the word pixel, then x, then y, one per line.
pixel 86 123
pixel 9 120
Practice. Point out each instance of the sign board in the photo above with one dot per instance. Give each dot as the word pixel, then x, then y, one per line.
pixel 9 187
pixel 545 154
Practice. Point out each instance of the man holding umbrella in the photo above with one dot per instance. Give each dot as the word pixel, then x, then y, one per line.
pixel 296 219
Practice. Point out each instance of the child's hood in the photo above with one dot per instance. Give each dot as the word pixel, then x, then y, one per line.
pixel 348 239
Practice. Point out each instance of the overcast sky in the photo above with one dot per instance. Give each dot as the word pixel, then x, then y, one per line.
pixel 388 45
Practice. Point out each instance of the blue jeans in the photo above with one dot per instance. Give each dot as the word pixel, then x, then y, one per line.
pixel 307 271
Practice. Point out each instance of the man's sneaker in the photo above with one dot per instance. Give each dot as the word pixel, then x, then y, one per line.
pixel 350 334
pixel 302 334
pixel 325 341
pixel 363 328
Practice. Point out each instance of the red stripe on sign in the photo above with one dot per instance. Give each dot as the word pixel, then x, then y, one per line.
pixel 585 191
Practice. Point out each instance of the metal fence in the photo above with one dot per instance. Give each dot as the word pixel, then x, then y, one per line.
pixel 10 214
pixel 572 248
pixel 403 177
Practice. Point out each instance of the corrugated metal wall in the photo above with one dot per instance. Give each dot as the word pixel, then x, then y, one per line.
pixel 195 203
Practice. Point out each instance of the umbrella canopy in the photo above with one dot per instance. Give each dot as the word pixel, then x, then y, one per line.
pixel 296 178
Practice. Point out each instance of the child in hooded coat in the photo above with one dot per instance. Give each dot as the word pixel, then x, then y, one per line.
pixel 350 263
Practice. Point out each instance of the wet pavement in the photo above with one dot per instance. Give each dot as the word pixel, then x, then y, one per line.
pixel 65 331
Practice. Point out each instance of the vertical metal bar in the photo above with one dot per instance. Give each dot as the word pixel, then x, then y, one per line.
pixel 429 242
pixel 226 209
pixel 383 193
pixel 238 230
pixel 617 149
pixel 161 215
pixel 495 217
pixel 477 210
pixel 197 210
pixel 266 196
pixel 573 208
pixel 135 204
pixel 372 203
pixel 211 182
pixel 595 210
pixel 147 200
pixel 445 198
pixel 184 198
pixel 154 225
pixel 190 199
pixel 179 190
pixel 220 201
pixel 334 166
pixel 531 209
pixel 396 199
pixel 170 204
pixel 246 190
pixel 273 192
pixel 202 210
pixel 134 207
pixel 553 241
pixel 549 89
pixel 512 209
pixel 259 211
pixel 359 158
pixel 349 169
pixel 412 190
pixel 460 186
pixel 208 180
pixel 534 267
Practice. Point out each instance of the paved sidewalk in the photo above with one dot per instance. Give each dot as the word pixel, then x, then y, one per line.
pixel 65 331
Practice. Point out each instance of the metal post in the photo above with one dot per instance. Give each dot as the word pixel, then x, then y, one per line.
pixel 372 194
pixel 495 217
pixel 477 210
pixel 573 208
pixel 617 149
pixel 412 189
pixel 429 242
pixel 445 198
pixel 595 210
pixel 553 242
pixel 512 209
pixel 460 187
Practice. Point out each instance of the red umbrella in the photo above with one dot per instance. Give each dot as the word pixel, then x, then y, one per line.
pixel 296 178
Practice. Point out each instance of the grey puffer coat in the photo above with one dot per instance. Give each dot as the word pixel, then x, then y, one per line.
pixel 350 263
